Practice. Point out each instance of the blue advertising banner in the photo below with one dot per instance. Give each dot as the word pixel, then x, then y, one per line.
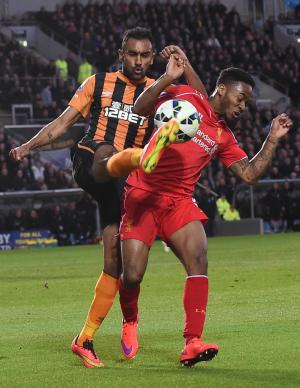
pixel 29 238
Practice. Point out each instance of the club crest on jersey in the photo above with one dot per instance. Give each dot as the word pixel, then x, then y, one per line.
pixel 82 85
pixel 120 111
pixel 128 225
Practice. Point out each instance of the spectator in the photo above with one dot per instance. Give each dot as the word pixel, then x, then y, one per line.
pixel 207 202
pixel 46 96
pixel 288 197
pixel 73 223
pixel 213 41
pixel 61 68
pixel 274 201
pixel 33 220
pixel 17 221
pixel 231 214
pixel 50 176
pixel 19 182
pixel 85 70
pixel 5 180
pixel 222 205
pixel 58 224
pixel 38 169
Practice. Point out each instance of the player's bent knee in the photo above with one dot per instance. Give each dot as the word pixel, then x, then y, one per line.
pixel 131 280
pixel 99 172
pixel 197 266
pixel 99 167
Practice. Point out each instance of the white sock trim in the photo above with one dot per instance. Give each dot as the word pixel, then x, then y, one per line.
pixel 197 276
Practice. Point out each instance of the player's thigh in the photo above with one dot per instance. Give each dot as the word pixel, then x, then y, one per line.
pixel 107 194
pixel 137 232
pixel 189 243
pixel 138 222
pixel 134 261
pixel 99 169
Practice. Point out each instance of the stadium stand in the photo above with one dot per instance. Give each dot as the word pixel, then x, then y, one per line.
pixel 26 79
pixel 213 38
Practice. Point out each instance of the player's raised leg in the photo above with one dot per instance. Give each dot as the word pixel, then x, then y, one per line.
pixel 123 163
pixel 126 161
pixel 160 140
pixel 192 254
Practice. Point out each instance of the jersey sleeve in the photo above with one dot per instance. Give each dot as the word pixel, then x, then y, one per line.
pixel 231 152
pixel 83 98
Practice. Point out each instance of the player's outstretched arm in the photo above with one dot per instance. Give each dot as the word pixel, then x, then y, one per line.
pixel 251 171
pixel 189 73
pixel 145 103
pixel 47 134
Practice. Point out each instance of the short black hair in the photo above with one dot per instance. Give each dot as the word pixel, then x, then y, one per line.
pixel 234 74
pixel 139 33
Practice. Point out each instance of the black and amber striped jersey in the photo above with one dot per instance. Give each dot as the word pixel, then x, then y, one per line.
pixel 108 98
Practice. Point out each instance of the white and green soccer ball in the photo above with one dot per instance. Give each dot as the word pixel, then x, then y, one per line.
pixel 184 112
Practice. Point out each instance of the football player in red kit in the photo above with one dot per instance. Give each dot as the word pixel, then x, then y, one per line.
pixel 161 203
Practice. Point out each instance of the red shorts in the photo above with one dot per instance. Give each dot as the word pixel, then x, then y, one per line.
pixel 147 215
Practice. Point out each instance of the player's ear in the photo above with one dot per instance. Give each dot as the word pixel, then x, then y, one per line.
pixel 153 56
pixel 221 90
pixel 121 55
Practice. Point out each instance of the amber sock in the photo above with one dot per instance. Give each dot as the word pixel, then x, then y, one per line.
pixel 124 162
pixel 105 292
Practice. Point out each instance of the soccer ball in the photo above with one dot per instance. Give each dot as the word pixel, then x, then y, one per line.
pixel 184 112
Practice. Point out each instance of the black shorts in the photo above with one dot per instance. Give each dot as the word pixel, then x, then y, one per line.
pixel 108 194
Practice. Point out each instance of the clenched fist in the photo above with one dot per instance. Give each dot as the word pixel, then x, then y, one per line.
pixel 18 153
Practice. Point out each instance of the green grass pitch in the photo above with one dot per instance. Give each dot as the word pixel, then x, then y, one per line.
pixel 253 315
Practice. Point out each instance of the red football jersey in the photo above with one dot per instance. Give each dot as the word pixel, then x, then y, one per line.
pixel 181 164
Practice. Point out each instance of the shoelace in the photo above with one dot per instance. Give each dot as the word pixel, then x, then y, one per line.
pixel 89 346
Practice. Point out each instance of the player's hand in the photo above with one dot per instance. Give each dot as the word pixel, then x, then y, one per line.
pixel 280 126
pixel 175 67
pixel 173 50
pixel 18 153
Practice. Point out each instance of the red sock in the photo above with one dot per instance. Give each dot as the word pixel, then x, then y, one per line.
pixel 195 297
pixel 129 302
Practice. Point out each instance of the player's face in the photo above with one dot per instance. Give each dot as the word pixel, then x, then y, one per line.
pixel 235 98
pixel 136 57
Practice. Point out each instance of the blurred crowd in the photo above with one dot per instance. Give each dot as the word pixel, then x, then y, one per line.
pixel 278 204
pixel 64 217
pixel 26 79
pixel 67 221
pixel 213 38
pixel 32 173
